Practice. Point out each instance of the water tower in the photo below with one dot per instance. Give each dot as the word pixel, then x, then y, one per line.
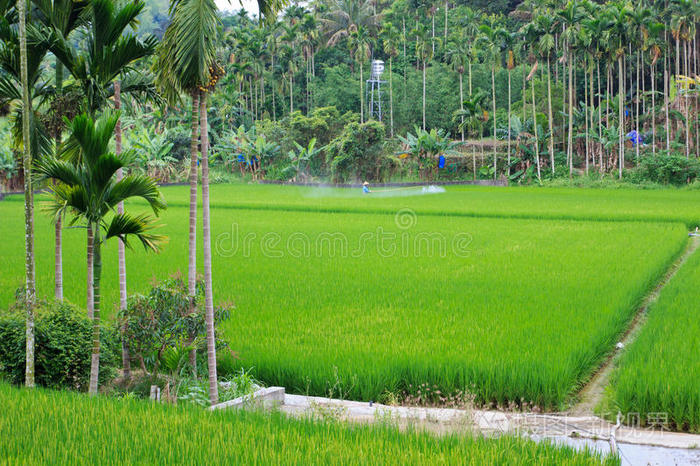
pixel 374 89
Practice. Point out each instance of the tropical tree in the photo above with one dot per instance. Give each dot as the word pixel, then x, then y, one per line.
pixel 424 53
pixel 390 39
pixel 458 51
pixel 472 116
pixel 89 189
pixel 617 36
pixel 344 17
pixel 187 65
pixel 360 44
pixel 490 40
pixel 29 288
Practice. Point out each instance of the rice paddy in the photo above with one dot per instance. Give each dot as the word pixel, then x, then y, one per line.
pixel 658 377
pixel 45 427
pixel 355 296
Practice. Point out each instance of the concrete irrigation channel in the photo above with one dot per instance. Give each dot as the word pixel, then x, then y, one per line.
pixel 635 446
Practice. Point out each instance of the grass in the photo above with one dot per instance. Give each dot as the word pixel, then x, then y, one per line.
pixel 44 427
pixel 668 205
pixel 524 314
pixel 659 373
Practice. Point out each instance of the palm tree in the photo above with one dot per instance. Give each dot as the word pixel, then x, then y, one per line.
pixel 290 57
pixel 569 17
pixel 424 53
pixel 106 54
pixel 62 16
pixel 655 45
pixel 390 39
pixel 29 289
pixel 89 189
pixel 470 27
pixel 360 46
pixel 509 42
pixel 617 36
pixel 458 51
pixel 545 46
pixel 343 17
pixel 472 116
pixel 490 40
pixel 187 64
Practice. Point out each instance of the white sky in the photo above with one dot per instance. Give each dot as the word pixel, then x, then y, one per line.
pixel 251 6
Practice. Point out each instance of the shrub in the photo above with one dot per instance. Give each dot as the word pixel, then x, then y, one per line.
pixel 670 169
pixel 161 327
pixel 63 345
pixel 358 152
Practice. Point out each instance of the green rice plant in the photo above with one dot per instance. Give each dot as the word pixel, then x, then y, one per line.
pixel 44 427
pixel 667 205
pixel 658 377
pixel 522 314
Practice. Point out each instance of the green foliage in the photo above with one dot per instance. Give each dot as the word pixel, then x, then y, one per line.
pixel 163 325
pixel 670 169
pixel 358 153
pixel 153 151
pixel 40 426
pixel 62 347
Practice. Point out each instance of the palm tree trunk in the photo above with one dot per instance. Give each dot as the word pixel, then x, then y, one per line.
pixel 493 100
pixel 272 90
pixel 58 227
pixel 667 103
pixel 592 107
pixel 509 108
pixel 445 38
pixel 621 115
pixel 291 92
pixel 653 109
pixel 192 245
pixel 126 359
pixel 534 126
pixel 600 115
pixel 58 259
pixel 424 64
pixel 469 66
pixel 391 98
pixel 636 116
pixel 29 267
pixel 585 99
pixel 90 271
pixel 362 97
pixel 95 360
pixel 570 141
pixel 206 231
pixel 461 101
pixel 685 100
pixel 550 116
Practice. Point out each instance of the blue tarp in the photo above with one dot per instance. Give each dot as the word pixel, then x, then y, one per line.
pixel 635 137
pixel 441 162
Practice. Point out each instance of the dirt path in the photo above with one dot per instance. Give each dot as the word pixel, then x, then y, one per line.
pixel 593 392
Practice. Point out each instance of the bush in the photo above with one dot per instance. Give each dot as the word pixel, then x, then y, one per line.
pixel 358 152
pixel 63 345
pixel 670 169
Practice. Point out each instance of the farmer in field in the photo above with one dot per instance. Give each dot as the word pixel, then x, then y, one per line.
pixel 365 188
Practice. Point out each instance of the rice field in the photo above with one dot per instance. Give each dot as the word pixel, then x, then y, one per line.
pixel 659 374
pixel 45 427
pixel 336 295
pixel 674 205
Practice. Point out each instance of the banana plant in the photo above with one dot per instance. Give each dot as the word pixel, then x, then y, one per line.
pixel 300 159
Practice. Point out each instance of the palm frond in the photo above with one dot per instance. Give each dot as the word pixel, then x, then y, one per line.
pixel 123 226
